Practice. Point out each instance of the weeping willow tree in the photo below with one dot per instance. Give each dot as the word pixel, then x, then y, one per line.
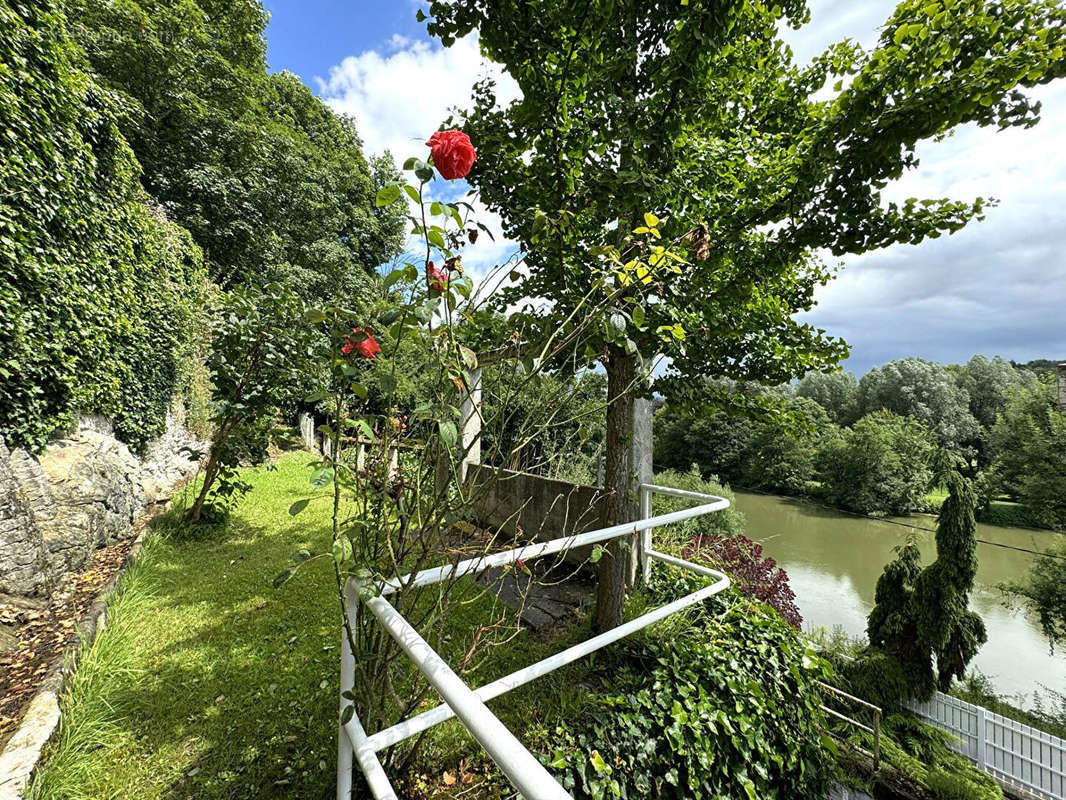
pixel 920 617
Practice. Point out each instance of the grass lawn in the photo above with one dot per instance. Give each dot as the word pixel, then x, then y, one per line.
pixel 209 683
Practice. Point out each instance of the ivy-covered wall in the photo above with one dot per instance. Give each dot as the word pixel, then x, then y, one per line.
pixel 101 296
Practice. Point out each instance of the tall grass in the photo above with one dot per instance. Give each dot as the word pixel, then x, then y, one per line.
pixel 94 705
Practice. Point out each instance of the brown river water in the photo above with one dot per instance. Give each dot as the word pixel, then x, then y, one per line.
pixel 833 562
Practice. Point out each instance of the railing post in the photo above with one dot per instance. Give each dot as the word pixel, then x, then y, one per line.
pixel 877 739
pixel 645 534
pixel 471 423
pixel 641 464
pixel 347 682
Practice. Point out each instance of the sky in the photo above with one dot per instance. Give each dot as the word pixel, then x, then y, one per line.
pixel 997 287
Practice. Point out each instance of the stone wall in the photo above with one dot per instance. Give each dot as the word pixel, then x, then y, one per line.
pixel 82 493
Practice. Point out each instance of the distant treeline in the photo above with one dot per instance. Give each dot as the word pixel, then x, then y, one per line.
pixel 877 445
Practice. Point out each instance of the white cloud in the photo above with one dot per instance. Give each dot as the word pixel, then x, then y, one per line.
pixel 399 98
pixel 996 286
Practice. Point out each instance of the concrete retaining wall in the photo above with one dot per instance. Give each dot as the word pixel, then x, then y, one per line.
pixel 533 507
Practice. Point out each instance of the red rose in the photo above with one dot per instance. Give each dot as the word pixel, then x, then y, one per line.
pixel 438 281
pixel 367 348
pixel 453 154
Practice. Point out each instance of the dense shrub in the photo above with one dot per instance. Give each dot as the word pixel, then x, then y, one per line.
pixel 783 450
pixel 99 294
pixel 880 466
pixel 752 574
pixel 726 709
pixel 261 362
pixel 729 522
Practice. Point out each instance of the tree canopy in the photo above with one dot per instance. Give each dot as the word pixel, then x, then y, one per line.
pixel 925 390
pixel 271 183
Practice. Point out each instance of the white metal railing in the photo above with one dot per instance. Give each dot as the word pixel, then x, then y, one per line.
pixel 520 766
pixel 1012 752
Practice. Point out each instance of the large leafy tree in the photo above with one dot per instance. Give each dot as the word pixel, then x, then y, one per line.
pixel 1029 441
pixel 833 391
pixel 987 382
pixel 270 182
pixel 694 110
pixel 881 465
pixel 925 390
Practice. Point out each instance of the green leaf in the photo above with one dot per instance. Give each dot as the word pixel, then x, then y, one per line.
pixel 596 554
pixel 322 477
pixel 638 316
pixel 597 761
pixel 393 277
pixel 301 555
pixel 349 711
pixel 411 163
pixel 283 576
pixel 449 435
pixel 412 192
pixel 387 194
pixel 342 550
pixel 298 506
pixel 424 173
pixel 436 239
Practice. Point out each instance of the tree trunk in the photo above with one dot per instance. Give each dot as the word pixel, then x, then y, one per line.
pixel 620 503
pixel 193 514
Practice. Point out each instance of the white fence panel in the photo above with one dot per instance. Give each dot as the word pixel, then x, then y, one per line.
pixel 1016 754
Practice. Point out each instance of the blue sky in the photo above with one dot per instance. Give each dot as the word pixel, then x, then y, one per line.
pixel 310 36
pixel 998 287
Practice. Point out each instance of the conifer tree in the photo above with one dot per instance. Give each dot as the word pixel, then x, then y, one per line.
pixel 920 616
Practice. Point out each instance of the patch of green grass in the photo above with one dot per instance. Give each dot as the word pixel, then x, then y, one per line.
pixel 210 683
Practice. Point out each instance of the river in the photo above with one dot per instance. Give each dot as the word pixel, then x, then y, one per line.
pixel 833 562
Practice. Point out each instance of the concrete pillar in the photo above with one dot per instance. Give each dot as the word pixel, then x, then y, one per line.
pixel 1061 371
pixel 641 462
pixel 471 422
pixel 307 430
